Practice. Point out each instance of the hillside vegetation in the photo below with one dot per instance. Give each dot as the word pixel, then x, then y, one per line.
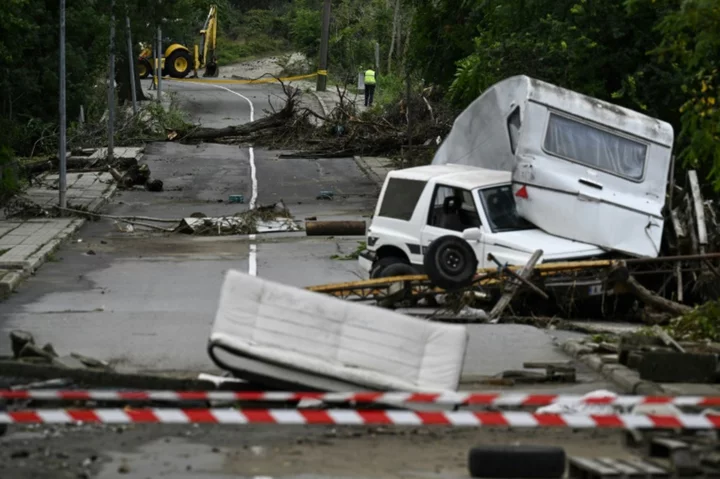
pixel 656 56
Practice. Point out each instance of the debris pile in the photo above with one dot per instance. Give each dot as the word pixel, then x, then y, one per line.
pixel 26 350
pixel 344 131
pixel 264 219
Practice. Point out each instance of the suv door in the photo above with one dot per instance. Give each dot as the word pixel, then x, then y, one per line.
pixel 452 210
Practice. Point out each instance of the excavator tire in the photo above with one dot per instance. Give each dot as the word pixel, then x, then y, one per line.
pixel 179 64
pixel 144 68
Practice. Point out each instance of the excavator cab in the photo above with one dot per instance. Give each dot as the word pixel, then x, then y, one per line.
pixel 178 61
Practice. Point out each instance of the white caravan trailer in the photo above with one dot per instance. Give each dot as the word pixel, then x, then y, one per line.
pixel 583 169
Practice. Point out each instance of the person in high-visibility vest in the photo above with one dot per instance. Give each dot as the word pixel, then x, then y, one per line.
pixel 369 86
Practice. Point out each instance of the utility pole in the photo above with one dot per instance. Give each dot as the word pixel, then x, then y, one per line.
pixel 111 88
pixel 62 201
pixel 324 41
pixel 131 62
pixel 159 56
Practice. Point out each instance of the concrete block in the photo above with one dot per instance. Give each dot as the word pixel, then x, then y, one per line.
pixel 68 362
pixel 673 367
pixel 9 282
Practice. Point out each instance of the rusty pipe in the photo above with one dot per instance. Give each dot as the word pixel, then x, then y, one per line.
pixel 335 228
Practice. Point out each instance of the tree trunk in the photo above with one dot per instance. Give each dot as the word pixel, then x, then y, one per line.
pixel 407 37
pixel 394 34
pixel 122 77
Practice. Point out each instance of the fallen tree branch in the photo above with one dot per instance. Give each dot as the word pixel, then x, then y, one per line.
pixel 657 302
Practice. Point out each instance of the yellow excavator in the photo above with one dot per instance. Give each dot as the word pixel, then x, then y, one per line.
pixel 178 61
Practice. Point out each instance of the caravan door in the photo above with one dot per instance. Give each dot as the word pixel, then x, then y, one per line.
pixel 591 183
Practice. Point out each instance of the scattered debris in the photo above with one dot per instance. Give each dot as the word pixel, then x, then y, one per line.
pixel 264 219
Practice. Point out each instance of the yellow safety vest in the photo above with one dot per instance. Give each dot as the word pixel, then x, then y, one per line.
pixel 369 77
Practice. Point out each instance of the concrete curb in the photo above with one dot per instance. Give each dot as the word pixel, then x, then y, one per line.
pixel 627 380
pixel 323 106
pixel 368 171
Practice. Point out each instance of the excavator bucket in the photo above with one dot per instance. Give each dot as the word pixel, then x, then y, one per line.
pixel 211 70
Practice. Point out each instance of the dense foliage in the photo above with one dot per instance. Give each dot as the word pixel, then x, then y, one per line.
pixel 657 56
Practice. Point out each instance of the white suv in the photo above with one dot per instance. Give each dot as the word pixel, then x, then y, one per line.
pixel 418 205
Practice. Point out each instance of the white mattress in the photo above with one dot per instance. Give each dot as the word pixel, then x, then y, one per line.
pixel 330 341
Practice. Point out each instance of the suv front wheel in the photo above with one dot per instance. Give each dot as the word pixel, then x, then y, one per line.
pixel 382 264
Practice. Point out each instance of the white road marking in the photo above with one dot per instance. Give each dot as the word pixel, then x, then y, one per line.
pixel 252 256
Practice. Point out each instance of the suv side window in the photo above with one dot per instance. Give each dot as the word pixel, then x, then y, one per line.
pixel 453 209
pixel 401 197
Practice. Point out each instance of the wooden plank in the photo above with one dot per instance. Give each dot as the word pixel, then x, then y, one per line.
pixel 580 467
pixel 649 468
pixel 548 364
pixel 665 337
pixel 677 224
pixel 663 447
pixel 507 297
pixel 699 210
pixel 630 472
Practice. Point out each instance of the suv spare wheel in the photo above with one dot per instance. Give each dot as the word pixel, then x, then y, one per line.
pixel 382 263
pixel 450 262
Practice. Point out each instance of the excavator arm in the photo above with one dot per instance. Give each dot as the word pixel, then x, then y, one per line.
pixel 208 44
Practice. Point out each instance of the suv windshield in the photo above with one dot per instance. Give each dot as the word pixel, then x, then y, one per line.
pixel 499 203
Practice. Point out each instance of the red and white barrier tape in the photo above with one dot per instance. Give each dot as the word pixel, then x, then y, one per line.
pixel 449 398
pixel 359 417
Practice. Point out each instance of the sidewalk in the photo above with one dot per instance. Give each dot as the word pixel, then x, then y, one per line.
pixel 376 168
pixel 26 244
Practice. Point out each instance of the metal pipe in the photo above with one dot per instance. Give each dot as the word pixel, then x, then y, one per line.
pixel 673 258
pixel 62 201
pixel 131 62
pixel 160 62
pixel 331 228
pixel 111 88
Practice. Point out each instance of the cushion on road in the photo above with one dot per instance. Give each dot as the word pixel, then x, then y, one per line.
pixel 331 338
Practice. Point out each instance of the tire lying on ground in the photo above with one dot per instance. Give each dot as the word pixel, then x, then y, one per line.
pixel 530 462
pixel 382 263
pixel 450 262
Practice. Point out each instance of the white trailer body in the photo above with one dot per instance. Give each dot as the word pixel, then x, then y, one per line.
pixel 582 168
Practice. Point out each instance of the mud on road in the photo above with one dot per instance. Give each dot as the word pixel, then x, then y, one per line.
pixel 207 451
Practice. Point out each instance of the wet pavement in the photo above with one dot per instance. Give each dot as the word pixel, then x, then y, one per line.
pixel 146 301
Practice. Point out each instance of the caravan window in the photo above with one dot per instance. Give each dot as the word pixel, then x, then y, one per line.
pixel 595 148
pixel 513 124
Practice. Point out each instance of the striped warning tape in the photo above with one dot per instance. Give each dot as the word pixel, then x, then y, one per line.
pixel 359 417
pixel 448 398
pixel 230 81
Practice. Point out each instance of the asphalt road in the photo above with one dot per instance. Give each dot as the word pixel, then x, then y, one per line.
pixel 147 301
